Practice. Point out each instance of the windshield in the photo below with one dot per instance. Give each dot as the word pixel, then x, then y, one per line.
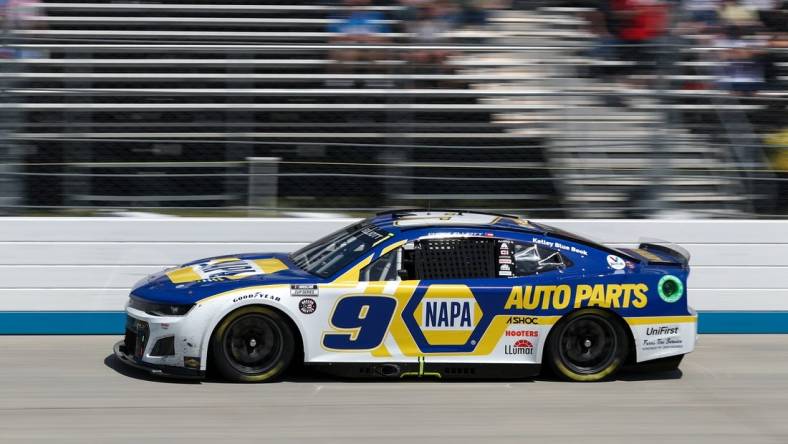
pixel 330 254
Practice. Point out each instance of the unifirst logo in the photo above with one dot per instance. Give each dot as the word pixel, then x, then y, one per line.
pixel 530 297
pixel 448 314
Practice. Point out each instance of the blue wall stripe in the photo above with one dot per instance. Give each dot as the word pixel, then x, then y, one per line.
pixel 62 322
pixel 743 322
pixel 112 322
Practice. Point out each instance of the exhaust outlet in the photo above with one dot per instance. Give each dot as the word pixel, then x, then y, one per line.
pixel 388 370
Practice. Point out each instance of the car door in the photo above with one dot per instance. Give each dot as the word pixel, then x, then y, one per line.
pixel 443 298
pixel 461 310
pixel 530 285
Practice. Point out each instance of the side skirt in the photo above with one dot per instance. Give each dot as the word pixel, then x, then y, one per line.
pixel 425 370
pixel 667 364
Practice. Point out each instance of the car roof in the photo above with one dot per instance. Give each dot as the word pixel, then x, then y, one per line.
pixel 403 220
pixel 411 219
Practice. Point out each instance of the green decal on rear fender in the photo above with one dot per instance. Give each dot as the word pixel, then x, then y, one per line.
pixel 670 288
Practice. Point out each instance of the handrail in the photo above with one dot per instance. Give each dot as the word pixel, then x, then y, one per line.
pixel 224 21
pixel 213 7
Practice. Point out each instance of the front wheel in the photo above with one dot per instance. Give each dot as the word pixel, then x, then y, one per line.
pixel 587 345
pixel 253 344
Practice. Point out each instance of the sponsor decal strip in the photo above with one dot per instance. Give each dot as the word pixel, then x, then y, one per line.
pixel 661 320
pixel 564 296
pixel 242 290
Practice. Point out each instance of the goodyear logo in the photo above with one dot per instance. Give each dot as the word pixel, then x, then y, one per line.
pixel 531 297
pixel 448 314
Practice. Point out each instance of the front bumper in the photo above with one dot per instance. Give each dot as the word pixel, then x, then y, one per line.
pixel 168 346
pixel 122 354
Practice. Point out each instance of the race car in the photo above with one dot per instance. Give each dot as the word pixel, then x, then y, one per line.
pixel 415 293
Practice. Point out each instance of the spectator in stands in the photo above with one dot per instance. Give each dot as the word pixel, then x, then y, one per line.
pixel 741 70
pixel 738 14
pixel 358 26
pixel 630 31
pixel 474 12
pixel 702 14
pixel 763 9
pixel 774 55
pixel 19 15
pixel 776 19
pixel 429 26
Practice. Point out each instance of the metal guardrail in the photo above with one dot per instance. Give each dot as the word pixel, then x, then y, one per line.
pixel 85 266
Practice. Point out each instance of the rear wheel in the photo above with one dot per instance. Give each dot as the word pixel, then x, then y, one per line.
pixel 253 344
pixel 588 345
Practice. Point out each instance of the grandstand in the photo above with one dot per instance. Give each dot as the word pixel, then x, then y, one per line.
pixel 238 105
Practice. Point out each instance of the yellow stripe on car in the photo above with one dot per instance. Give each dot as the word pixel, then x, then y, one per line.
pixel 645 320
pixel 181 275
pixel 271 265
pixel 353 274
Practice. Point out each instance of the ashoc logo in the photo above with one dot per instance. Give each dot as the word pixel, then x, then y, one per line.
pixel 520 347
pixel 522 320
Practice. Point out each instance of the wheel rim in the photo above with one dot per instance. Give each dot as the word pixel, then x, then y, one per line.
pixel 588 344
pixel 253 344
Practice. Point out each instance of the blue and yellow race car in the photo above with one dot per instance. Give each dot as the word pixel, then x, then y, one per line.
pixel 414 293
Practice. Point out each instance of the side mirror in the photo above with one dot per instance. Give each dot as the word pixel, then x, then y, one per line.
pixel 403 274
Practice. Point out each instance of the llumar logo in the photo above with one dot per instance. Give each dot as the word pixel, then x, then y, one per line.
pixel 520 347
pixel 562 296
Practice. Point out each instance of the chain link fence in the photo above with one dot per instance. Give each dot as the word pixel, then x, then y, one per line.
pixel 261 108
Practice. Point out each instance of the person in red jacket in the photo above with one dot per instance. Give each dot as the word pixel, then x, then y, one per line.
pixel 631 31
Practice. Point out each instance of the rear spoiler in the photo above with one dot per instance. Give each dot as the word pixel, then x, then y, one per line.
pixel 664 253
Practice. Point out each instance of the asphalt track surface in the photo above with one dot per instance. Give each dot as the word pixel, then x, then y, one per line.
pixel 56 389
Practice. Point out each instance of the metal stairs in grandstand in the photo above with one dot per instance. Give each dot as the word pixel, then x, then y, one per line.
pixel 611 160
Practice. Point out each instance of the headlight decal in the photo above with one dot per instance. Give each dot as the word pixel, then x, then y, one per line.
pixel 159 309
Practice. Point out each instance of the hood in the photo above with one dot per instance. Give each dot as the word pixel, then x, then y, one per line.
pixel 206 277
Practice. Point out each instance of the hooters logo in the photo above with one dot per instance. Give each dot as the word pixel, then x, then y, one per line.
pixel 522 333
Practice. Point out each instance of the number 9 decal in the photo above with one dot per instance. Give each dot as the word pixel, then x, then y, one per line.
pixel 365 320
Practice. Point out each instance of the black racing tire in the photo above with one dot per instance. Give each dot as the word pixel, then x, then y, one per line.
pixel 587 345
pixel 253 344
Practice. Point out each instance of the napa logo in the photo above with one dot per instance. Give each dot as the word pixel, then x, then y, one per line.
pixel 226 267
pixel 448 314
